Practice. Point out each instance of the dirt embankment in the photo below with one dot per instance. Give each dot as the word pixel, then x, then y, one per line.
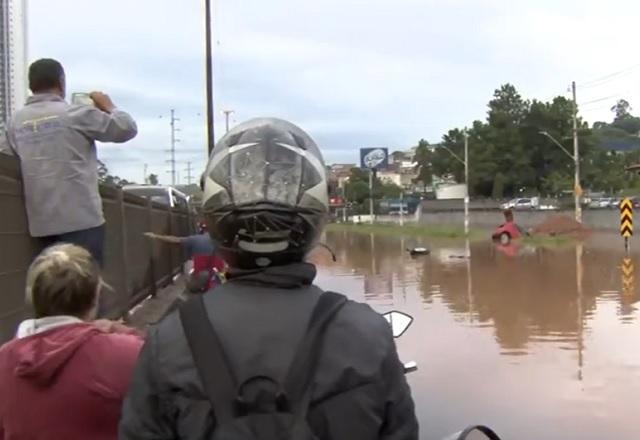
pixel 560 225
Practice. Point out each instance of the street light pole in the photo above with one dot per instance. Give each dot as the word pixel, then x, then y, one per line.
pixel 466 183
pixel 576 157
pixel 576 163
pixel 209 76
pixel 371 195
pixel 464 162
pixel 226 114
pixel 402 208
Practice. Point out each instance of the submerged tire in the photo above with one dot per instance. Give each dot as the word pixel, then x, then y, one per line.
pixel 505 238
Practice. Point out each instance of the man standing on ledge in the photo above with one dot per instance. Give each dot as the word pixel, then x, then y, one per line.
pixel 55 142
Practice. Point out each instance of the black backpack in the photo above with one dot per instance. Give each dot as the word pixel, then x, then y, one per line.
pixel 260 408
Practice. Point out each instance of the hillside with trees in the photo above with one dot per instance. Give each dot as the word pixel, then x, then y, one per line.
pixel 508 155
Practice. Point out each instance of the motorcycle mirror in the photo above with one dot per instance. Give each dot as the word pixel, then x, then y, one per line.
pixel 477 432
pixel 399 322
pixel 410 367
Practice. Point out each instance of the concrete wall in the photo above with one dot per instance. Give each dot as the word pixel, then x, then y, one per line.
pixel 601 219
pixel 134 266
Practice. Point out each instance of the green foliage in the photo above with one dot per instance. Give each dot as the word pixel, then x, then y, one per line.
pixel 424 159
pixel 152 179
pixel 508 155
pixel 498 187
pixel 107 179
pixel 413 230
pixel 357 188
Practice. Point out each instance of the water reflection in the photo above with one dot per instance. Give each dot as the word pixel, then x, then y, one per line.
pixel 527 339
pixel 537 296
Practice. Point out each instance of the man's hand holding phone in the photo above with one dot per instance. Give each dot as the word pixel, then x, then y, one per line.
pixel 102 101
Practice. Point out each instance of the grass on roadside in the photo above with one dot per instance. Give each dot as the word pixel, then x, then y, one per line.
pixel 548 240
pixel 427 231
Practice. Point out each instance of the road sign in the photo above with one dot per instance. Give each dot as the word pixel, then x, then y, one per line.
pixel 374 158
pixel 626 218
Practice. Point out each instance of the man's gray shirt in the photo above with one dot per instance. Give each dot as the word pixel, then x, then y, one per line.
pixel 55 142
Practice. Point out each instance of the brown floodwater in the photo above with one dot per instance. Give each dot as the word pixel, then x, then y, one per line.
pixel 536 343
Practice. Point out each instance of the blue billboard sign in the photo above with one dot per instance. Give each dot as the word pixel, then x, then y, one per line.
pixel 374 158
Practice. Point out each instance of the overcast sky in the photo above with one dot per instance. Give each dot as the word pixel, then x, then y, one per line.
pixel 353 73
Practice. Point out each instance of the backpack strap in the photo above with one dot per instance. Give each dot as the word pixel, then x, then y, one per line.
pixel 213 367
pixel 209 358
pixel 299 380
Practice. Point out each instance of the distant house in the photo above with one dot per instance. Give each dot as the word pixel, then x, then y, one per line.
pixel 338 176
pixel 401 171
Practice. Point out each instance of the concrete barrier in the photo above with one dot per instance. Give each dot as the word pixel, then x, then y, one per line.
pixel 597 219
pixel 134 266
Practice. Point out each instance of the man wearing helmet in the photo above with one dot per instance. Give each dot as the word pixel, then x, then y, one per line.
pixel 265 201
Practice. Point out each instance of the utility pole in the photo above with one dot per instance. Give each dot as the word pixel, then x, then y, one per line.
pixel 576 156
pixel 464 162
pixel 402 208
pixel 189 170
pixel 209 76
pixel 466 182
pixel 172 150
pixel 146 166
pixel 371 195
pixel 227 113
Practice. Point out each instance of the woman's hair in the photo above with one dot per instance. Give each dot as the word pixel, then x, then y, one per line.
pixel 508 214
pixel 63 280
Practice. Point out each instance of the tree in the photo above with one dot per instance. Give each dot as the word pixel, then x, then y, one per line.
pixel 424 159
pixel 152 179
pixel 107 179
pixel 622 109
pixel 623 119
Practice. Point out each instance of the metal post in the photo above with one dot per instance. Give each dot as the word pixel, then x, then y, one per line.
pixel 576 156
pixel 579 304
pixel 124 255
pixel 227 113
pixel 469 281
pixel 371 195
pixel 152 265
pixel 209 77
pixel 173 147
pixel 466 182
pixel 401 208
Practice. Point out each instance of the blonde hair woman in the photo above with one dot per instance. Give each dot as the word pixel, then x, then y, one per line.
pixel 64 375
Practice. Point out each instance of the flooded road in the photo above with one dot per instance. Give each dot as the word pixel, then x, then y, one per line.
pixel 537 343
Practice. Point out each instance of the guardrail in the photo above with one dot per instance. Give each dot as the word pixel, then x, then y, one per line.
pixel 134 267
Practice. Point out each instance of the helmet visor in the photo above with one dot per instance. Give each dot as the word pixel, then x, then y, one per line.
pixel 275 172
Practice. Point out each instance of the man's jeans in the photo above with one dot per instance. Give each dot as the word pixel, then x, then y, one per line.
pixel 90 239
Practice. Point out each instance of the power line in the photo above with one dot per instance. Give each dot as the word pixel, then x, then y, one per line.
pixel 608 78
pixel 600 99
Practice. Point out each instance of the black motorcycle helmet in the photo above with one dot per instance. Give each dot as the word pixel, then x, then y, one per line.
pixel 265 194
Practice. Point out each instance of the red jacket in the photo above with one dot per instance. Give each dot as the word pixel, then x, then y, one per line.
pixel 208 263
pixel 65 383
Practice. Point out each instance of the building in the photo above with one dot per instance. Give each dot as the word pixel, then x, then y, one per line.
pixel 338 175
pixel 13 57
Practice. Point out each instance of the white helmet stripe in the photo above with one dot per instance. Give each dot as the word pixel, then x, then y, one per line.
pixel 310 157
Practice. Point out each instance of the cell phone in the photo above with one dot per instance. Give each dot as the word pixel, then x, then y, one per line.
pixel 81 99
